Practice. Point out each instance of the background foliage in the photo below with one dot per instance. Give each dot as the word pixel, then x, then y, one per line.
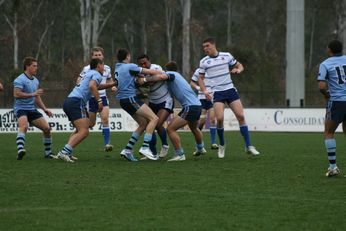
pixel 51 31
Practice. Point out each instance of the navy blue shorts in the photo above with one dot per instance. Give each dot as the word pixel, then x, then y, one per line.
pixel 94 105
pixel 30 114
pixel 227 96
pixel 191 113
pixel 75 109
pixel 336 111
pixel 131 105
pixel 206 104
pixel 167 105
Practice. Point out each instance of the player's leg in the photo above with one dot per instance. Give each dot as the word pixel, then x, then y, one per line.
pixel 145 112
pixel 219 115
pixel 212 126
pixel 127 152
pixel 22 129
pixel 105 128
pixel 172 128
pixel 78 115
pixel 202 118
pixel 163 115
pixel 335 114
pixel 330 143
pixel 238 110
pixel 42 124
pixel 200 150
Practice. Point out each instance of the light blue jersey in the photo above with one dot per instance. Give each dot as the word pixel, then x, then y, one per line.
pixel 27 85
pixel 125 74
pixel 333 71
pixel 82 90
pixel 182 91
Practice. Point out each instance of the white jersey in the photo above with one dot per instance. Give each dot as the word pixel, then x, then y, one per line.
pixel 159 90
pixel 207 83
pixel 216 71
pixel 106 75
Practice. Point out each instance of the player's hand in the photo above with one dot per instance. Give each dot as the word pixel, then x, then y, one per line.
pixel 236 71
pixel 208 95
pixel 140 81
pixel 100 108
pixel 48 113
pixel 114 89
pixel 39 92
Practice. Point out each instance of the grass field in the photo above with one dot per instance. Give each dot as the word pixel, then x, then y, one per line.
pixel 282 189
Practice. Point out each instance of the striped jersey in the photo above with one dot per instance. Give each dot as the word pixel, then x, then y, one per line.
pixel 195 77
pixel 159 90
pixel 217 71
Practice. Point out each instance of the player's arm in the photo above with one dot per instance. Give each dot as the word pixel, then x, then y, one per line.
pixel 203 88
pixel 237 68
pixel 194 85
pixel 19 94
pixel 107 85
pixel 40 104
pixel 155 78
pixel 323 86
pixel 94 91
pixel 1 87
pixel 147 71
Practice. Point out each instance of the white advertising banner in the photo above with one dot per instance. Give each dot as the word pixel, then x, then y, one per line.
pixel 278 120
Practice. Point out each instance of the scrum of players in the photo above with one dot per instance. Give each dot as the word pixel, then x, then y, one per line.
pixel 210 88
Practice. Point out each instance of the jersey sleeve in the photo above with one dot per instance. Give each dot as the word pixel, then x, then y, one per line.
pixel 97 77
pixel 322 73
pixel 232 61
pixel 108 72
pixel 82 74
pixel 202 67
pixel 18 84
pixel 195 75
pixel 134 69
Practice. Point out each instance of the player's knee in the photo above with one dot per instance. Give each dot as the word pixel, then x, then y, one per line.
pixel 46 130
pixel 84 132
pixel 241 119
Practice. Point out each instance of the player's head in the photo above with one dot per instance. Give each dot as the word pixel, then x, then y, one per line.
pixel 123 54
pixel 334 47
pixel 171 66
pixel 97 64
pixel 97 52
pixel 209 46
pixel 143 61
pixel 30 65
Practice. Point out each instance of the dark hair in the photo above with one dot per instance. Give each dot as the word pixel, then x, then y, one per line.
pixel 94 63
pixel 27 61
pixel 209 40
pixel 171 66
pixel 335 47
pixel 143 56
pixel 122 53
pixel 97 49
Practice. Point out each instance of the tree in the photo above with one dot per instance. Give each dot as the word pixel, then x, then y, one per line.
pixel 92 22
pixel 186 8
pixel 170 25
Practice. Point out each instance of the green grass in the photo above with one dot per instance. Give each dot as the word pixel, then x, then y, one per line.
pixel 282 189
